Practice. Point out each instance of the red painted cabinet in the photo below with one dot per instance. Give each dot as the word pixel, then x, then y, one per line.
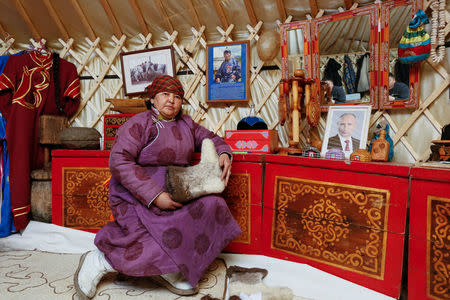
pixel 347 219
pixel 429 239
pixel 80 194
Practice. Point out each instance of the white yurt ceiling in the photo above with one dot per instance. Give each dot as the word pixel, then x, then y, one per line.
pixel 53 19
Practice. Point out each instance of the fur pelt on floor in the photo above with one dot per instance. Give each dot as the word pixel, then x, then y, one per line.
pixel 249 281
pixel 187 183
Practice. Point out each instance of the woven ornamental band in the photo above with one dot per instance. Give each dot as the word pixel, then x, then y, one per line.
pixel 165 83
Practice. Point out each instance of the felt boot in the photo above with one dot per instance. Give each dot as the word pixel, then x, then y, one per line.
pixel 92 267
pixel 187 183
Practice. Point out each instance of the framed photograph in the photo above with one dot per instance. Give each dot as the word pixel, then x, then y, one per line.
pixel 140 68
pixel 346 129
pixel 227 72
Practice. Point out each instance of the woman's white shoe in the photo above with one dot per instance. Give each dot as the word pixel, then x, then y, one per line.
pixel 92 267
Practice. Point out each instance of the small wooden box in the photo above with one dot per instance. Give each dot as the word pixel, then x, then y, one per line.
pixel 252 141
pixel 50 127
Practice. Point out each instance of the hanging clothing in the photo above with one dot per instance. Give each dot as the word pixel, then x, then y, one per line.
pixel 364 74
pixel 28 87
pixel 349 75
pixel 6 218
pixel 144 240
pixel 332 72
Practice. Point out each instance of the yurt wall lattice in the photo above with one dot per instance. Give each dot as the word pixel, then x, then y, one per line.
pixel 98 65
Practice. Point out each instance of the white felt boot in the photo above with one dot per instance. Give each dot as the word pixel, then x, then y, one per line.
pixel 187 183
pixel 92 267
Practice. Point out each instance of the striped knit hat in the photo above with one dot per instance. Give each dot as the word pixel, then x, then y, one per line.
pixel 165 83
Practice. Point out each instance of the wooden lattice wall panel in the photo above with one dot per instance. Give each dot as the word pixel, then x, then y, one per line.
pixel 411 130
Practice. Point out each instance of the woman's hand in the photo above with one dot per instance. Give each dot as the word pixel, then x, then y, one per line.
pixel 164 202
pixel 225 164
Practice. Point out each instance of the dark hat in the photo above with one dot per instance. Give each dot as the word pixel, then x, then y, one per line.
pixel 226 51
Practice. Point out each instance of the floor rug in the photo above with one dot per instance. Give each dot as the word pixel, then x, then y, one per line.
pixel 39 275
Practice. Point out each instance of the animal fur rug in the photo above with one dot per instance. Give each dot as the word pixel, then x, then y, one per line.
pixel 247 284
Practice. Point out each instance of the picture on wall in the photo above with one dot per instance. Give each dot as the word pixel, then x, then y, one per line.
pixel 347 128
pixel 227 72
pixel 140 68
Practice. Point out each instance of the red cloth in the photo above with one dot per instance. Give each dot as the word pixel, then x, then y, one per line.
pixel 165 83
pixel 27 91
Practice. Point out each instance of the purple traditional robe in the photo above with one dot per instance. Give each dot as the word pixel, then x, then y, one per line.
pixel 144 240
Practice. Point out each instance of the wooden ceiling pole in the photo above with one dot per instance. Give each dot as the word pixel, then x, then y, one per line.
pixel 281 10
pixel 193 14
pixel 112 19
pixel 34 32
pixel 5 35
pixel 348 4
pixel 219 10
pixel 140 17
pixel 314 8
pixel 55 17
pixel 163 14
pixel 251 12
pixel 90 32
pixel 354 33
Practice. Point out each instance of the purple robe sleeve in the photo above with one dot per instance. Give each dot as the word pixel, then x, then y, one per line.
pixel 201 133
pixel 130 139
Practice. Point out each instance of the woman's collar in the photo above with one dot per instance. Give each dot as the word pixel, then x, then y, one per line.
pixel 160 117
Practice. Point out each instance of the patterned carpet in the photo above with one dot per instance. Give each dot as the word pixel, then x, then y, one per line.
pixel 39 275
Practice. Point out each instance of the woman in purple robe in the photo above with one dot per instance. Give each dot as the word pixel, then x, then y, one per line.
pixel 152 235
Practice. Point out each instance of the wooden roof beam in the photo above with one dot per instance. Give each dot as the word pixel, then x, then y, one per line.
pixel 314 8
pixel 140 18
pixel 55 17
pixel 34 32
pixel 251 12
pixel 281 10
pixel 348 4
pixel 219 10
pixel 5 35
pixel 112 19
pixel 90 32
pixel 163 14
pixel 193 14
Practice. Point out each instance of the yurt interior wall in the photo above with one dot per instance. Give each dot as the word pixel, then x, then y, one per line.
pixel 92 34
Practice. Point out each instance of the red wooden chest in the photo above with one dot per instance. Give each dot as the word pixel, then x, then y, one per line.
pixel 80 194
pixel 429 242
pixel 252 141
pixel 345 218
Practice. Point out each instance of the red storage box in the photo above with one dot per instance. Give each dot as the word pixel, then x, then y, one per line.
pixel 252 141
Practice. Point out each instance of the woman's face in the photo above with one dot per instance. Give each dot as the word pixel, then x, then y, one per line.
pixel 168 104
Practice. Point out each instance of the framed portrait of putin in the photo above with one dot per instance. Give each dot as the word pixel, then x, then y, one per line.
pixel 228 72
pixel 346 129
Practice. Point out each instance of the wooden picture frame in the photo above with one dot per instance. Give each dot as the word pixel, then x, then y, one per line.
pixel 141 67
pixel 337 126
pixel 342 24
pixel 228 80
pixel 393 13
